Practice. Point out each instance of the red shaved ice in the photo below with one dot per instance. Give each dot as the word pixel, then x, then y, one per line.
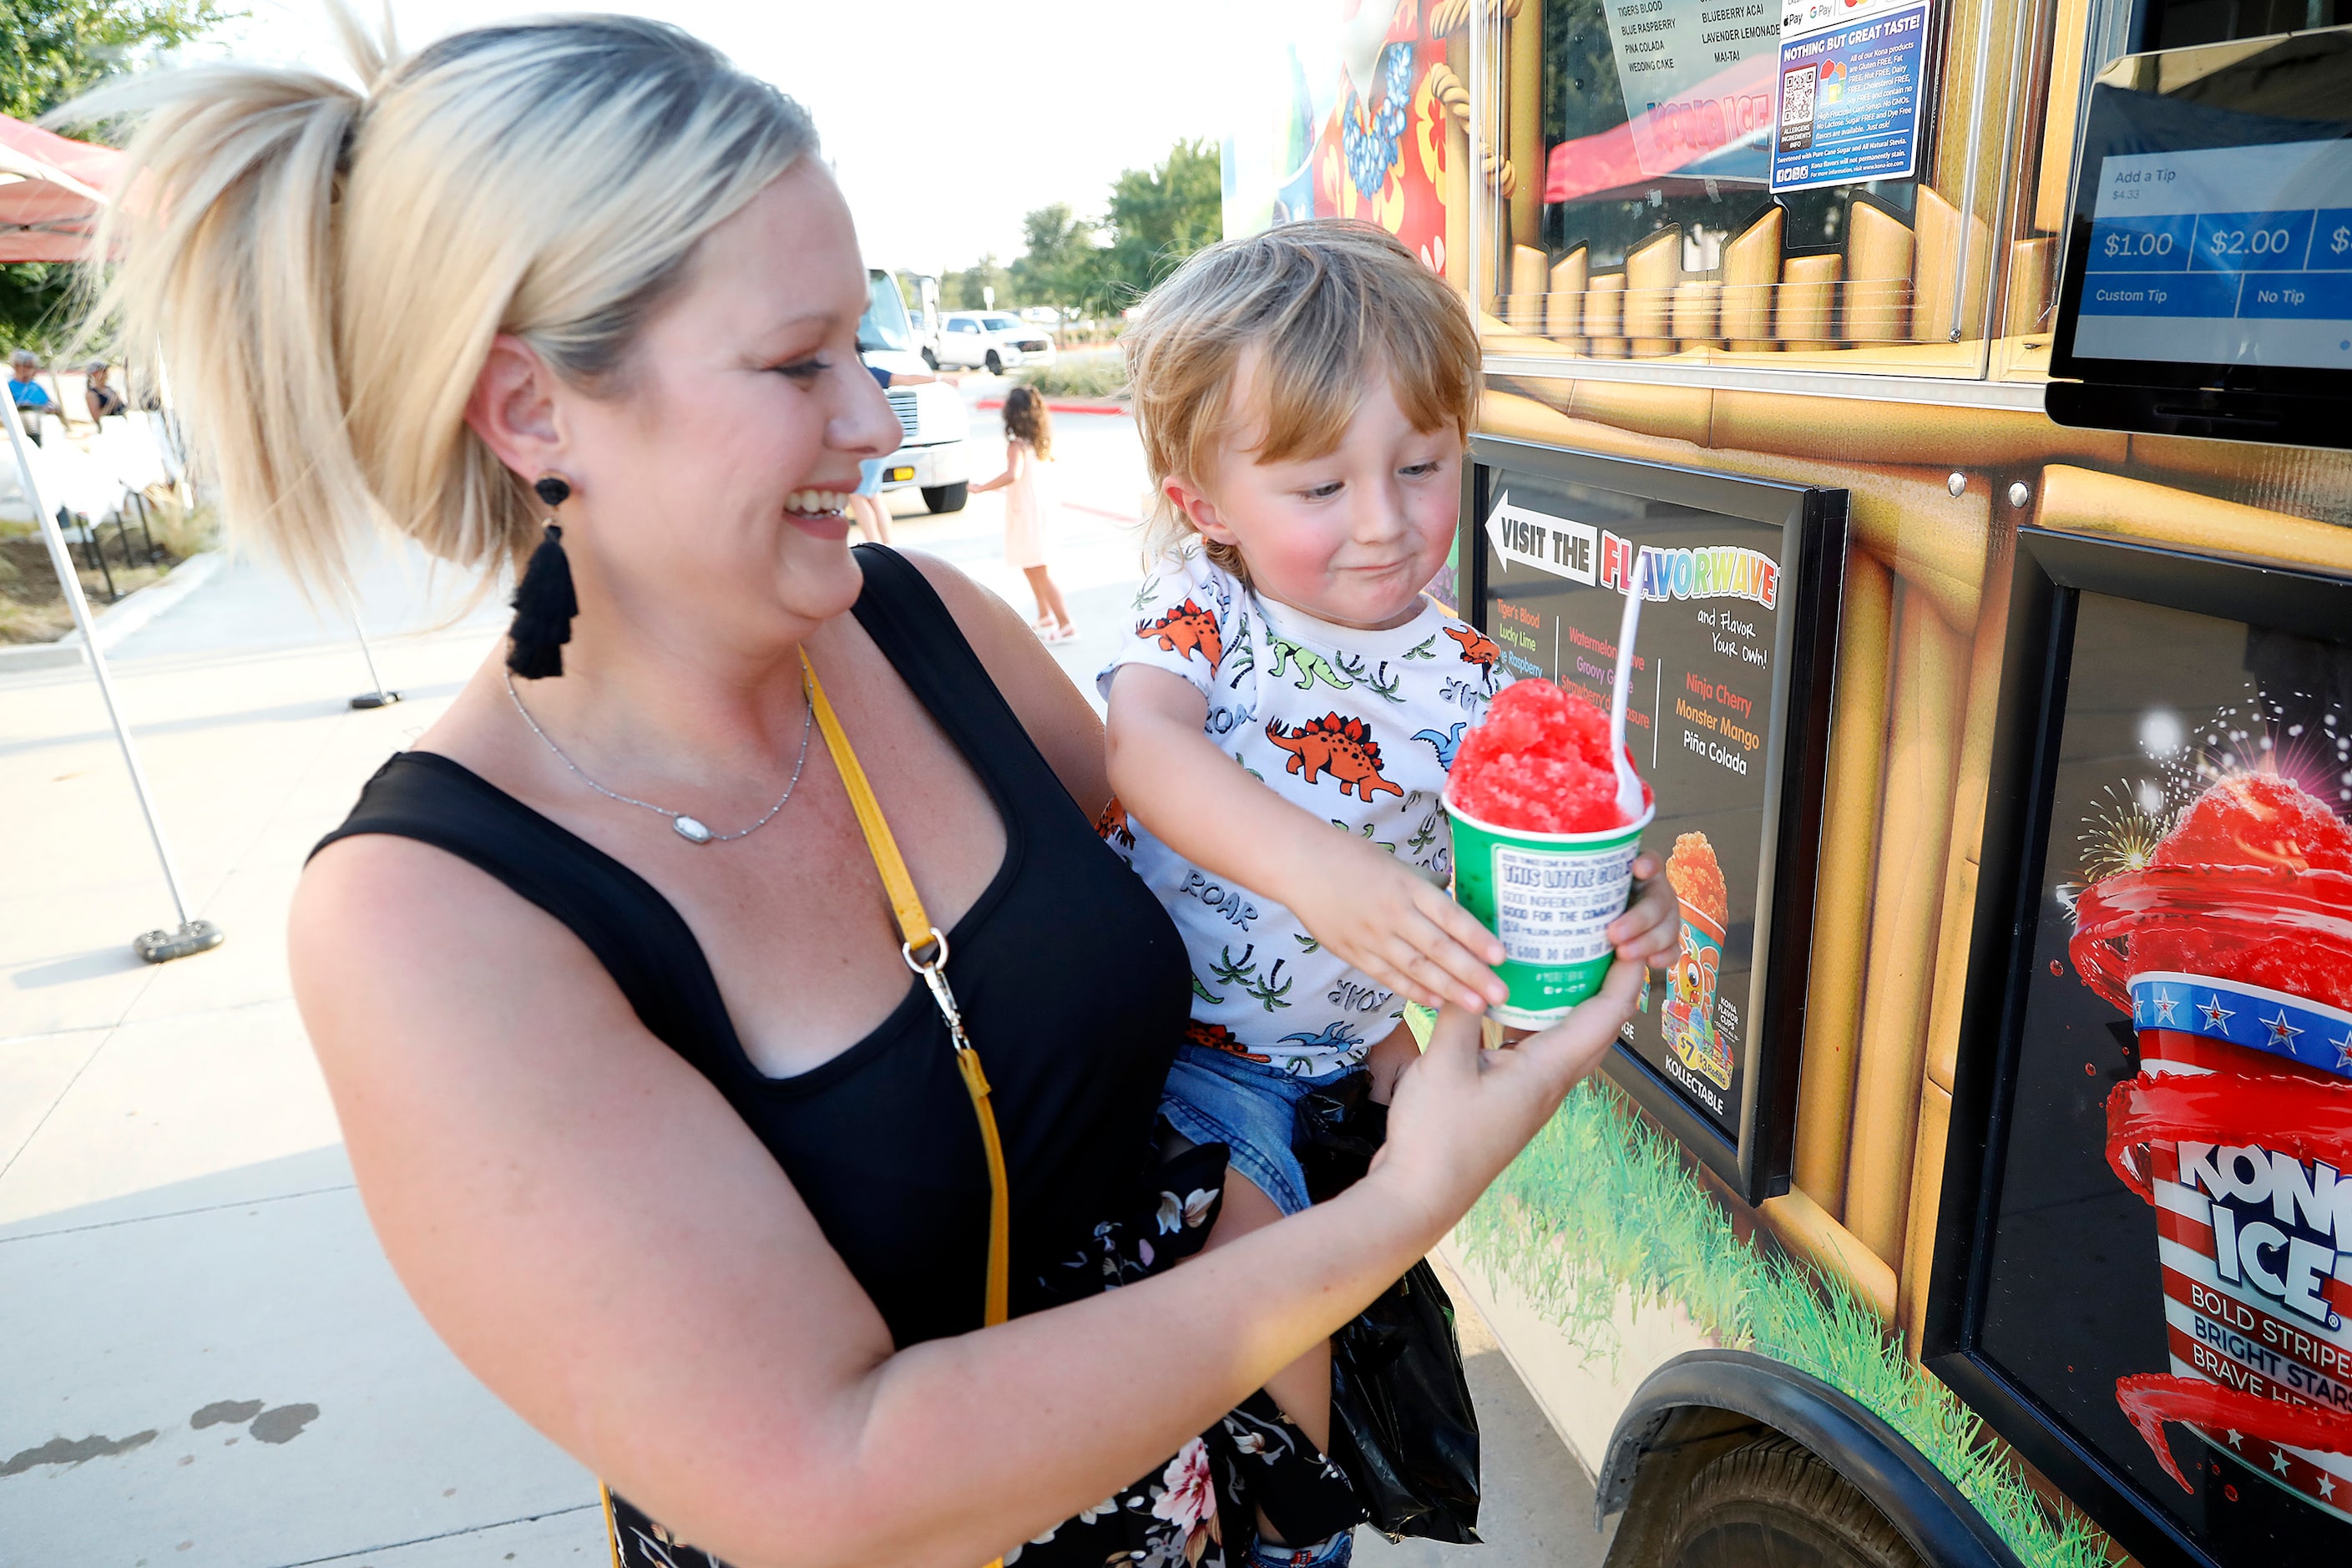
pixel 1538 762
pixel 2257 819
pixel 2277 833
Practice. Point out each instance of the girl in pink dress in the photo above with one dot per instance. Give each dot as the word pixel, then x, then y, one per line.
pixel 1029 505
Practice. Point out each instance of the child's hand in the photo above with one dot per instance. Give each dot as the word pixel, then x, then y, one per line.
pixel 1651 931
pixel 1368 906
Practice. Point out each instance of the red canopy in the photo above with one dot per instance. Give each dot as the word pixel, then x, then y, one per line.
pixel 51 189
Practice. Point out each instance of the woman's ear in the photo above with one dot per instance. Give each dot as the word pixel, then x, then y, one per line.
pixel 1194 502
pixel 512 408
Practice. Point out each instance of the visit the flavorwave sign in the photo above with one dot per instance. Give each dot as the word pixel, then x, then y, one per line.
pixel 1698 712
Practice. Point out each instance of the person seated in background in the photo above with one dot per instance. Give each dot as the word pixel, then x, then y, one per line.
pixel 28 394
pixel 103 399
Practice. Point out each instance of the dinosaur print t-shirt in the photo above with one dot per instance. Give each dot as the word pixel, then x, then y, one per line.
pixel 1358 728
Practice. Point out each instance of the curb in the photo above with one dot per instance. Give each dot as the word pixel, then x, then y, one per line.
pixel 118 620
pixel 986 404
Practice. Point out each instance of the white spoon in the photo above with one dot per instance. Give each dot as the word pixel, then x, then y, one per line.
pixel 1629 785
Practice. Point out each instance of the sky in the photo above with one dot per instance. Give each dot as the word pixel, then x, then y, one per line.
pixel 946 120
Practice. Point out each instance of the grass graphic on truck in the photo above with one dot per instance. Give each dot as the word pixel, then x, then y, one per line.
pixel 1602 1201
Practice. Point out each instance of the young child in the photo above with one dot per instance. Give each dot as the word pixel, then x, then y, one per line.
pixel 1029 506
pixel 1283 716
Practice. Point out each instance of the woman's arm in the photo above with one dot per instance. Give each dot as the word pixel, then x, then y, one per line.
pixel 601 1240
pixel 1060 720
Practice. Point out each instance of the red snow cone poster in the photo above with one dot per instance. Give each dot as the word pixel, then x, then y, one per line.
pixel 2169 1269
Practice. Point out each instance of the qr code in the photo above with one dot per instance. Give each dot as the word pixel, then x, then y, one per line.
pixel 1797 96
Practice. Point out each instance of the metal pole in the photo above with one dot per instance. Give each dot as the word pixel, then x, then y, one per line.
pixel 145 533
pixel 1474 185
pixel 379 698
pixel 1969 171
pixel 193 935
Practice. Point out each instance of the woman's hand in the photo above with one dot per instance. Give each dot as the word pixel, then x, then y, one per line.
pixel 1650 929
pixel 1461 1114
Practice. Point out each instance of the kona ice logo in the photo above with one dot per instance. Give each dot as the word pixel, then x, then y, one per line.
pixel 2278 1224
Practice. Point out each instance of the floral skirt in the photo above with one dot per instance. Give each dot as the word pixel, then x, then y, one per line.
pixel 1198 1511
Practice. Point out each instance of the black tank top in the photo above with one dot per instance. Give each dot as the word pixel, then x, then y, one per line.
pixel 1073 982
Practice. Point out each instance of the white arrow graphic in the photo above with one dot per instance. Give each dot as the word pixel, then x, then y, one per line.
pixel 1548 544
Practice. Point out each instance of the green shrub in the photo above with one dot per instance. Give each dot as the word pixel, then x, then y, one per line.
pixel 1094 373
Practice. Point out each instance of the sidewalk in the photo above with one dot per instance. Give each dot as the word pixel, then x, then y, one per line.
pixel 204 1357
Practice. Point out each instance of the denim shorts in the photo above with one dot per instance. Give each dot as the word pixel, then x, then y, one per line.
pixel 1216 1097
pixel 869 475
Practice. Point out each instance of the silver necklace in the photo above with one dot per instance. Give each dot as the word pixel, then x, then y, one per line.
pixel 689 828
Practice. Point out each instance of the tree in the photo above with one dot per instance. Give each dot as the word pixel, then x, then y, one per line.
pixel 1061 266
pixel 52 50
pixel 35 312
pixel 49 51
pixel 1160 216
pixel 966 291
pixel 1157 218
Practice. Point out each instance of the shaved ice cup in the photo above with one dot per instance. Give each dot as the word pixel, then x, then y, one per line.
pixel 1550 896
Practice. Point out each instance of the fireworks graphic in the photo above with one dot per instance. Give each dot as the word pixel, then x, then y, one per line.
pixel 2121 831
pixel 2255 734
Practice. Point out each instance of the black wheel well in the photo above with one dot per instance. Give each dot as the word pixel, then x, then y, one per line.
pixel 1700 1405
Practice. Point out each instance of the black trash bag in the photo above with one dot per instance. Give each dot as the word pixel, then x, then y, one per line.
pixel 1402 1425
pixel 1339 1130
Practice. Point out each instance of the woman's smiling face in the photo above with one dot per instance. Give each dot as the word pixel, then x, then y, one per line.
pixel 713 474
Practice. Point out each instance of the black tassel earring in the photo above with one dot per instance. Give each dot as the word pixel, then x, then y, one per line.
pixel 544 601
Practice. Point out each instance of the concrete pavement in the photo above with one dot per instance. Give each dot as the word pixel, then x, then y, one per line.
pixel 204 1357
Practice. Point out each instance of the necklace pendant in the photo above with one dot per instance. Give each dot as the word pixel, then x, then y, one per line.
pixel 690 830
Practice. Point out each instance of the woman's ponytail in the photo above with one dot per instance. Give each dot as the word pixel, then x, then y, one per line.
pixel 224 241
pixel 320 269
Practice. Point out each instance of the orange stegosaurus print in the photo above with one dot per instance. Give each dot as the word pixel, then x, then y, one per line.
pixel 1217 1037
pixel 1344 748
pixel 1185 629
pixel 1477 649
pixel 1112 825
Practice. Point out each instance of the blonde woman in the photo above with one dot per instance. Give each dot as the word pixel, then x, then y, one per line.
pixel 647 1112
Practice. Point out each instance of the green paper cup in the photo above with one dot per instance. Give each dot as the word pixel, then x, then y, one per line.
pixel 1548 896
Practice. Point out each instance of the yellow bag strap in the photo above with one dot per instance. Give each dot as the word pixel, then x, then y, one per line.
pixel 925 948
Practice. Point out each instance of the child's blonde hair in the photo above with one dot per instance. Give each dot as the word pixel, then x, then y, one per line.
pixel 1328 304
pixel 323 266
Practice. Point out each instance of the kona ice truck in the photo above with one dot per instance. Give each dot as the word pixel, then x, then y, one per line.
pixel 935 456
pixel 1966 385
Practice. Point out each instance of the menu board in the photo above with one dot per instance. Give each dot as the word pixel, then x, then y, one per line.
pixel 2163 1253
pixel 1560 558
pixel 1696 75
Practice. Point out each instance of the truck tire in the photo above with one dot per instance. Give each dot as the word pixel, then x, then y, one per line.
pixel 930 359
pixel 946 497
pixel 995 363
pixel 1772 1503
